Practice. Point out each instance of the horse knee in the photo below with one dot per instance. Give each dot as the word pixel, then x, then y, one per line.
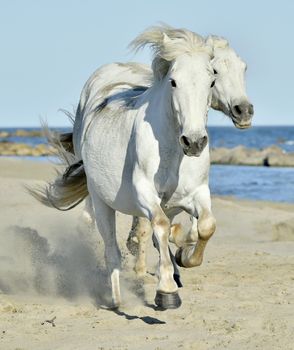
pixel 206 226
pixel 162 222
pixel 177 235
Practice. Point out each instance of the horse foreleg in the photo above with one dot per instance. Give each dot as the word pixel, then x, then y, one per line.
pixel 166 295
pixel 191 255
pixel 181 238
pixel 177 235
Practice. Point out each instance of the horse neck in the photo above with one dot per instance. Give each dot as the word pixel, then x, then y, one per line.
pixel 162 117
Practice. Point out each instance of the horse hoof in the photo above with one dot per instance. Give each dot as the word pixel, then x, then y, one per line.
pixel 178 257
pixel 114 306
pixel 167 300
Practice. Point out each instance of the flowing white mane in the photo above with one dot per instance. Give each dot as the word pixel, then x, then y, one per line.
pixel 217 42
pixel 167 44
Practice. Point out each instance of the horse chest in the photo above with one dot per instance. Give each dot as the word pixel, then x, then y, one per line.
pixel 167 174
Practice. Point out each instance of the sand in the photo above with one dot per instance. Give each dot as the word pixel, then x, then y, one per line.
pixel 51 269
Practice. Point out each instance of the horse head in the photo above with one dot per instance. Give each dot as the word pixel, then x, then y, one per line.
pixel 229 92
pixel 181 66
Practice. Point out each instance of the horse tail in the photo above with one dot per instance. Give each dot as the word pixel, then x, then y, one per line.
pixel 67 142
pixel 70 186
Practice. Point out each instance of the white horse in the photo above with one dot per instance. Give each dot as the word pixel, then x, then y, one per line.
pixel 134 146
pixel 228 96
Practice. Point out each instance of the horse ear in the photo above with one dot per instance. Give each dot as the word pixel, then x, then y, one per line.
pixel 217 42
pixel 209 43
pixel 165 39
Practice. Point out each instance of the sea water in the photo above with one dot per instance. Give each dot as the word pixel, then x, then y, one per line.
pixel 249 182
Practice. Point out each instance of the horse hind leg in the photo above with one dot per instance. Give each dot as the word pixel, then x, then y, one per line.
pixel 88 215
pixel 105 220
pixel 137 243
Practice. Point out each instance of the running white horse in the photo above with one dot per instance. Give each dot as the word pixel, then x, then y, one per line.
pixel 133 147
pixel 228 95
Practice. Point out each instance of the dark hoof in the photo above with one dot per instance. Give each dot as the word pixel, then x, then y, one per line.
pixel 178 257
pixel 167 300
pixel 114 307
pixel 178 281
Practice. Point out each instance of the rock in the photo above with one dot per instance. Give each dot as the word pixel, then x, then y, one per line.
pixel 22 149
pixel 244 156
pixel 28 133
pixel 4 134
pixel 275 156
pixel 286 159
pixel 219 155
pixel 237 156
pixel 270 156
pixel 43 150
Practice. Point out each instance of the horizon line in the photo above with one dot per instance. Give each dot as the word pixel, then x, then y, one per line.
pixel 215 126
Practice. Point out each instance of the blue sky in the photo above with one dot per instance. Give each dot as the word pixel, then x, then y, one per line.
pixel 50 48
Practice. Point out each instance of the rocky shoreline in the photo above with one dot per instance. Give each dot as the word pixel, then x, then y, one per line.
pixel 21 133
pixel 22 149
pixel 270 156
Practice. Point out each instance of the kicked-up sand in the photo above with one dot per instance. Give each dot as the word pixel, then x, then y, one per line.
pixel 54 288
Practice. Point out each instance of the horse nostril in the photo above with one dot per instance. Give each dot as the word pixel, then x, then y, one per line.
pixel 237 109
pixel 185 141
pixel 204 141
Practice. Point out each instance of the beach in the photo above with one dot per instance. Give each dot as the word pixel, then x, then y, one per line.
pixel 53 284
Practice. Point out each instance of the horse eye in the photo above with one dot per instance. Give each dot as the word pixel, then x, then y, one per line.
pixel 173 83
pixel 212 84
pixel 214 71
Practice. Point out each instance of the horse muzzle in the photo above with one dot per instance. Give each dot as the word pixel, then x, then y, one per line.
pixel 242 114
pixel 193 148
